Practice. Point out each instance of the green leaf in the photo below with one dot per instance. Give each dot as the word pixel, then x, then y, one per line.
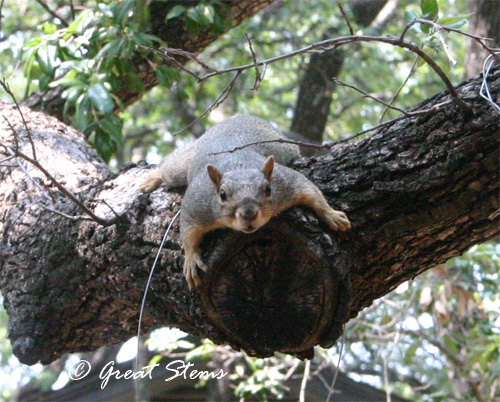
pixel 123 12
pixel 80 118
pixel 141 15
pixel 47 58
pixel 76 24
pixel 28 70
pixel 105 10
pixel 35 42
pixel 455 22
pixel 429 8
pixel 409 17
pixel 49 29
pixel 155 359
pixel 193 27
pixel 101 98
pixel 450 343
pixel 175 12
pixel 110 46
pixel 104 145
pixel 72 93
pixel 69 80
pixel 44 81
pixel 112 126
pixel 197 17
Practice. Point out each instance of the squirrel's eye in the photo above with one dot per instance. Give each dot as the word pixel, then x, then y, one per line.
pixel 223 195
pixel 268 190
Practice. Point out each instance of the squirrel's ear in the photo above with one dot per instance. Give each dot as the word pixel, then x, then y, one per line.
pixel 268 167
pixel 215 175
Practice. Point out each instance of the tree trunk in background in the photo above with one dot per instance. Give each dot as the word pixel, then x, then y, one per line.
pixel 316 87
pixel 485 22
pixel 175 34
pixel 418 192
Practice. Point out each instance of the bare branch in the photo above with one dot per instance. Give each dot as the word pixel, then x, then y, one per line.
pixel 410 74
pixel 42 190
pixel 53 13
pixel 189 55
pixel 278 140
pixel 221 98
pixel 351 31
pixel 332 44
pixel 258 75
pixel 61 188
pixel 6 88
pixel 439 27
pixel 367 95
pixel 73 218
pixel 433 109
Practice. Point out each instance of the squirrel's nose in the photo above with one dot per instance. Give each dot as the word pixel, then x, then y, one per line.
pixel 249 212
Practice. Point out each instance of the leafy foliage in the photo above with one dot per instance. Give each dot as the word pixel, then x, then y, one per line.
pixel 91 58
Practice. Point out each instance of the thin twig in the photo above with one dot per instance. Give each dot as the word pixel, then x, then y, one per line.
pixel 351 31
pixel 367 95
pixel 177 63
pixel 258 75
pixel 189 55
pixel 277 140
pixel 109 206
pixel 72 8
pixel 439 27
pixel 73 218
pixel 42 190
pixel 432 109
pixel 6 88
pixel 53 13
pixel 410 74
pixel 221 98
pixel 332 44
pixel 331 388
pixel 60 187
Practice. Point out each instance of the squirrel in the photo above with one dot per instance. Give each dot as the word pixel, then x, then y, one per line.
pixel 231 184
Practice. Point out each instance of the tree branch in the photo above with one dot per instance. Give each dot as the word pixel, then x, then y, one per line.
pixel 417 192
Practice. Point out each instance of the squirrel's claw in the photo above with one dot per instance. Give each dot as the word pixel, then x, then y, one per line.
pixel 337 220
pixel 190 271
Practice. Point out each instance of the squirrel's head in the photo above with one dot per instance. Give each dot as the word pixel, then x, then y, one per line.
pixel 244 196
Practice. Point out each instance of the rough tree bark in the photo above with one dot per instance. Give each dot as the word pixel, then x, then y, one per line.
pixel 175 34
pixel 418 192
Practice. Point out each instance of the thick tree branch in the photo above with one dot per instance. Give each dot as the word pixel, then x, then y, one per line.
pixel 418 193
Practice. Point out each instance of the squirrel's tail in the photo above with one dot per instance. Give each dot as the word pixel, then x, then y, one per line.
pixel 174 167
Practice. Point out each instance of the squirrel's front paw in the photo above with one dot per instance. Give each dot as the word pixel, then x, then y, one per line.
pixel 151 183
pixel 337 220
pixel 190 271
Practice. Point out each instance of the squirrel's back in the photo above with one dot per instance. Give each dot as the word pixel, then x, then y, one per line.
pixel 239 131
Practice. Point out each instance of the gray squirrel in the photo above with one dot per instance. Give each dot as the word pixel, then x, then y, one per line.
pixel 241 190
